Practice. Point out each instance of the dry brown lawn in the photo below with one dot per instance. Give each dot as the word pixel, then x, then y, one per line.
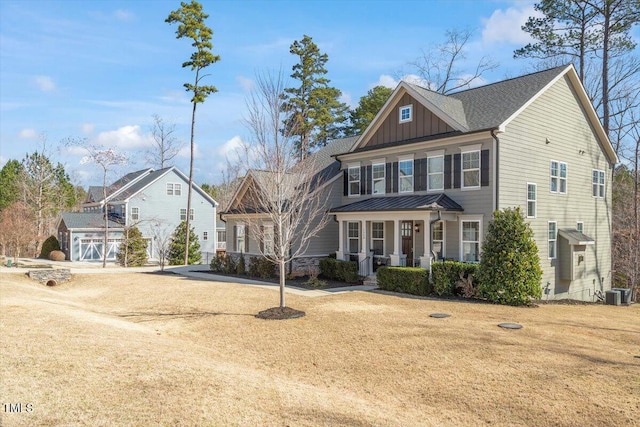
pixel 143 350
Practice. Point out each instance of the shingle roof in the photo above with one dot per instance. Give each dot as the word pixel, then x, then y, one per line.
pixel 84 220
pixel 449 105
pixel 139 185
pixel 490 105
pixel 95 192
pixel 428 202
pixel 575 237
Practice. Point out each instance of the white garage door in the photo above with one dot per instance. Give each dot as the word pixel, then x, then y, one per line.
pixel 91 249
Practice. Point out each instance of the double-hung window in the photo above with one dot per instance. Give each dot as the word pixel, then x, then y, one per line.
pixel 597 181
pixel 205 235
pixel 435 173
pixel 552 239
pixel 183 214
pixel 169 189
pixel 580 226
pixel 558 172
pixel 437 239
pixel 377 238
pixel 240 235
pixel 471 169
pixel 135 214
pixel 354 181
pixel 177 189
pixel 353 234
pixel 531 200
pixel 405 170
pixel 378 177
pixel 268 239
pixel 470 241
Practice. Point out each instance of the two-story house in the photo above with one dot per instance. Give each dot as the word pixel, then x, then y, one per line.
pixel 155 201
pixel 423 179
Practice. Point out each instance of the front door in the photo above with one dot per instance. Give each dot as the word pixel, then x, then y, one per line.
pixel 406 229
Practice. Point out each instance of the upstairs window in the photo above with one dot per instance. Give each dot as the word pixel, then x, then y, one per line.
pixel 580 226
pixel 378 176
pixel 471 169
pixel 177 189
pixel 435 173
pixel 169 189
pixel 552 239
pixel 406 113
pixel 183 214
pixel 135 214
pixel 205 235
pixel 354 181
pixel 405 170
pixel 598 183
pixel 558 172
pixel 531 200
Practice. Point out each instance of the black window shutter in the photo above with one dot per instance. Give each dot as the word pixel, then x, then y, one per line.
pixel 346 183
pixel 363 180
pixel 457 167
pixel 484 168
pixel 246 239
pixel 420 178
pixel 387 177
pixel 369 179
pixel 447 171
pixel 394 177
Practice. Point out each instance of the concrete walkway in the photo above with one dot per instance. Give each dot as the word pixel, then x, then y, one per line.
pixel 198 272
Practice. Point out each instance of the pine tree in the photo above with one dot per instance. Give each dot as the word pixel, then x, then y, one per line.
pixel 178 245
pixel 314 113
pixel 133 249
pixel 510 270
pixel 368 107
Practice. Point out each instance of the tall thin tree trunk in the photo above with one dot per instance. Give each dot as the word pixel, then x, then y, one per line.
pixel 193 127
pixel 282 282
pixel 605 67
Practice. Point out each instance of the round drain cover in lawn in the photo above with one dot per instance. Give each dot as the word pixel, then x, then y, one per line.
pixel 510 325
pixel 439 315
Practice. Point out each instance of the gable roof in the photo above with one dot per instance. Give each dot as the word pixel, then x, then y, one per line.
pixel 323 161
pixel 87 221
pixel 134 182
pixel 492 106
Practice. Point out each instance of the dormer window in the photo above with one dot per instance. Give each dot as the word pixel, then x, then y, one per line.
pixel 406 113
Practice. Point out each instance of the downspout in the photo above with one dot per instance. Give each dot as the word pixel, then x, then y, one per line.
pixel 496 146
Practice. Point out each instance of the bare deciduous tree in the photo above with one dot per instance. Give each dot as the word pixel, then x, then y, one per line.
pixel 162 235
pixel 16 229
pixel 442 66
pixel 286 194
pixel 166 144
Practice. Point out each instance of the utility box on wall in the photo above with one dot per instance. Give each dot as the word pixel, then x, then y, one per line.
pixel 572 254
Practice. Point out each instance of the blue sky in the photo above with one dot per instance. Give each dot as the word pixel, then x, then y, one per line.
pixel 100 69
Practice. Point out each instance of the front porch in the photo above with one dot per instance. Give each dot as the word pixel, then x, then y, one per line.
pixel 406 231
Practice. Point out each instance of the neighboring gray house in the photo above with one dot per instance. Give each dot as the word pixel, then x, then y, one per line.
pixel 153 201
pixel 423 179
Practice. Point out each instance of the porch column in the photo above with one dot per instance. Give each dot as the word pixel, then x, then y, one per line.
pixel 425 259
pixel 364 248
pixel 340 251
pixel 397 243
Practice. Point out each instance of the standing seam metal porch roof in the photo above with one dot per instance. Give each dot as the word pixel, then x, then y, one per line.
pixel 429 202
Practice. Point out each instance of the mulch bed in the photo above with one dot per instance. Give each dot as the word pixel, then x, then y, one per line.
pixel 280 313
pixel 298 282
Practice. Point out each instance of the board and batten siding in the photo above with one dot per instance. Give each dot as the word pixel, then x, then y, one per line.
pixel 554 127
pixel 160 212
pixel 326 241
pixel 423 123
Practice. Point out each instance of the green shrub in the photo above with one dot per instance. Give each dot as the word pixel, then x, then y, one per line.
pixel 179 243
pixel 316 283
pixel 446 274
pixel 510 270
pixel 217 264
pixel 241 268
pixel 51 244
pixel 133 249
pixel 261 267
pixel 408 280
pixel 342 271
pixel 229 266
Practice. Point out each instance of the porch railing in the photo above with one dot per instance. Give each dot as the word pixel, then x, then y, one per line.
pixel 221 246
pixel 363 268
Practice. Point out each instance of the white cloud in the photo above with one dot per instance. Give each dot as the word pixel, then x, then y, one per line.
pixel 45 83
pixel 123 15
pixel 246 83
pixel 505 26
pixel 28 134
pixel 478 81
pixel 87 128
pixel 3 162
pixel 74 150
pixel 386 81
pixel 125 137
pixel 347 99
pixel 185 151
